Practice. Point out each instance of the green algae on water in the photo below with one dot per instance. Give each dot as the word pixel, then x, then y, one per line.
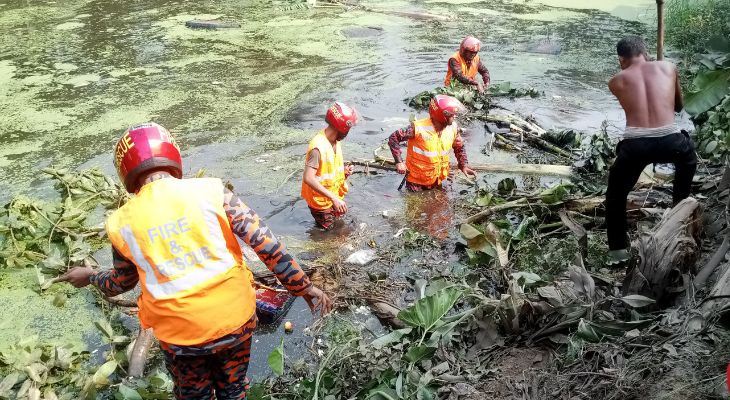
pixel 25 312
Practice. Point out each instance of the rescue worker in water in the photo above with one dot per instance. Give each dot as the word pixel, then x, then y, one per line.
pixel 429 141
pixel 177 238
pixel 465 64
pixel 324 182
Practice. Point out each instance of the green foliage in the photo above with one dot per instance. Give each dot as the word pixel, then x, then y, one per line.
pixel 596 153
pixel 712 82
pixel 469 96
pixel 690 24
pixel 31 368
pixel 713 136
pixel 276 359
pixel 54 236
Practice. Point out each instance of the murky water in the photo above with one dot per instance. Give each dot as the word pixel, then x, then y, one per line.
pixel 244 102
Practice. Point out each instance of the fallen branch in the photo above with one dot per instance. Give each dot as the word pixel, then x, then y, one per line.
pixel 491 210
pixel 531 169
pixel 541 143
pixel 578 230
pixel 138 355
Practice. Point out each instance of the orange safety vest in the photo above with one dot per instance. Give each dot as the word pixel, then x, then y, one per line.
pixel 469 71
pixel 195 285
pixel 428 153
pixel 331 172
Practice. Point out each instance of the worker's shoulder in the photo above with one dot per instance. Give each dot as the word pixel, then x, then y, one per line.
pixel 663 66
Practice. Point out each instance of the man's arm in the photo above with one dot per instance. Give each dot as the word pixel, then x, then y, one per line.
pixel 460 152
pixel 678 100
pixel 457 73
pixel 122 278
pixel 484 72
pixel 246 224
pixel 398 137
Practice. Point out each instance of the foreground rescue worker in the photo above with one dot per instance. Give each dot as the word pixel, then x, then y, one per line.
pixel 429 141
pixel 650 94
pixel 324 182
pixel 177 237
pixel 465 64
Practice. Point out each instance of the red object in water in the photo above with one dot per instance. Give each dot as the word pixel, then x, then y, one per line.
pixel 271 305
pixel 728 378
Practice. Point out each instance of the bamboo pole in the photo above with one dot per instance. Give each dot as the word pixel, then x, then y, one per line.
pixel 529 169
pixel 660 30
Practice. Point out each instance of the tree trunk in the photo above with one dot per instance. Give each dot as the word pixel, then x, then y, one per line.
pixel 667 254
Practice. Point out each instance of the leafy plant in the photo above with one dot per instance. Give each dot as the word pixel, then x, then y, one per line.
pixel 53 236
pixel 276 359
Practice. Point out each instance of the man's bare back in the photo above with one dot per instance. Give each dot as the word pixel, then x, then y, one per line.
pixel 649 93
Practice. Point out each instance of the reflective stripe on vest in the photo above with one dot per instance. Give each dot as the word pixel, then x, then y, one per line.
pixel 428 153
pixel 331 172
pixel 195 285
pixel 208 270
pixel 470 71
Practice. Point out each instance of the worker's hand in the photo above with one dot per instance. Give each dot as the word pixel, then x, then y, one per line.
pixel 340 206
pixel 480 88
pixel 348 170
pixel 78 276
pixel 401 168
pixel 468 171
pixel 318 301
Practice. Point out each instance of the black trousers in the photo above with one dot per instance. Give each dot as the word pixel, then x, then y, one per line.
pixel 632 156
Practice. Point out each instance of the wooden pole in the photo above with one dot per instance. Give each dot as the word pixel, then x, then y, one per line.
pixel 660 30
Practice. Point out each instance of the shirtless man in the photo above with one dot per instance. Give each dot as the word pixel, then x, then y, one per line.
pixel 650 94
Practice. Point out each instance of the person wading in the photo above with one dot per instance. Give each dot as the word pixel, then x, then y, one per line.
pixel 465 64
pixel 177 238
pixel 429 142
pixel 324 183
pixel 650 94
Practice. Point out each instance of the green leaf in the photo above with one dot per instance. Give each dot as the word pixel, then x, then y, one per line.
pixel 555 194
pixel 276 359
pixel 521 232
pixel 711 147
pixel 36 372
pixel 526 278
pixel 418 353
pixel 7 384
pixel 128 393
pixel 383 393
pixel 430 309
pixel 712 87
pixel 59 300
pixel 105 328
pixel 424 393
pixel 390 338
pixel 637 301
pixel 101 376
pixel 468 231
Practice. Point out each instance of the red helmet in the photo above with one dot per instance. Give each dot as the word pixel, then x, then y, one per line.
pixel 342 117
pixel 442 107
pixel 470 43
pixel 143 148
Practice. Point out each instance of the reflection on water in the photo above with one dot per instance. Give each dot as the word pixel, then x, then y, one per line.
pixel 430 212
